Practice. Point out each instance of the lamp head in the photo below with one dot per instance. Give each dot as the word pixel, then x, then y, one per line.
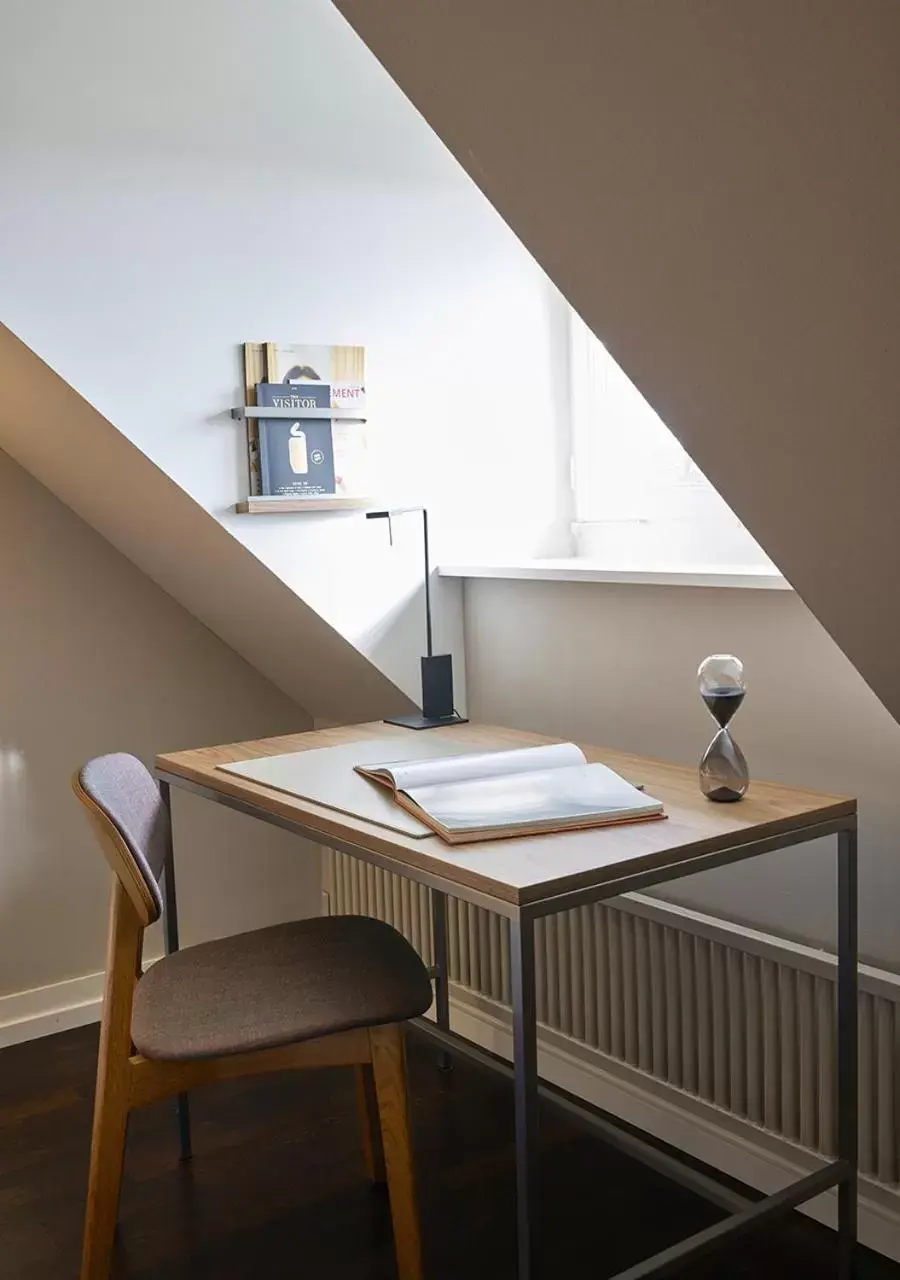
pixel 400 511
pixel 394 511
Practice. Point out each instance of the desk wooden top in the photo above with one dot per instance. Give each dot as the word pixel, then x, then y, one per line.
pixel 525 869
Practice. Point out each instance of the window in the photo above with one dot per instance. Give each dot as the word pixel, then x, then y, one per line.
pixel 640 502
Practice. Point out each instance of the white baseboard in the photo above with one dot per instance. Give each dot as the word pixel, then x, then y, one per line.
pixel 27 1015
pixel 736 1147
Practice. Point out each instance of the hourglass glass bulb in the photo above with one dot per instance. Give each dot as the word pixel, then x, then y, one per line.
pixel 722 686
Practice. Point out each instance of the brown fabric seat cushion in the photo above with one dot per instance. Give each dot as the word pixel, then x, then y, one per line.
pixel 278 986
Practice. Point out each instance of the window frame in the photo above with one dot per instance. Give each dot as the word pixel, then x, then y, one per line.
pixel 654 511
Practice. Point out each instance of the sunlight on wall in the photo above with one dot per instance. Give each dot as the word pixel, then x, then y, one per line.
pixel 18 829
pixel 640 500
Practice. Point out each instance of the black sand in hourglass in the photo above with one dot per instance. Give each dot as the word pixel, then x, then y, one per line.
pixel 724 775
pixel 723 703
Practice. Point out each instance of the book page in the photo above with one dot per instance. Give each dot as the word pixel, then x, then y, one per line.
pixel 546 797
pixel 479 764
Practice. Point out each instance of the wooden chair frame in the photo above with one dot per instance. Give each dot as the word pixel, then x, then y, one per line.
pixel 126 1080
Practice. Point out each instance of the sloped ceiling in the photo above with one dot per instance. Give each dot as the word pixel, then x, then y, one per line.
pixel 66 444
pixel 714 185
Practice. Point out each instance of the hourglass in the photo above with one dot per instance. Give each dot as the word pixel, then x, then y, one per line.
pixel 723 769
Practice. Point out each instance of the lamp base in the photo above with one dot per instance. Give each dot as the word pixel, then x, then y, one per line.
pixel 426 722
pixel 437 697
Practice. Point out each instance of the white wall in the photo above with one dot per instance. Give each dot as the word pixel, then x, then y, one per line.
pixel 182 177
pixel 616 665
pixel 97 658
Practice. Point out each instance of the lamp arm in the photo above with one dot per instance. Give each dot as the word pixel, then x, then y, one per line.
pixel 399 511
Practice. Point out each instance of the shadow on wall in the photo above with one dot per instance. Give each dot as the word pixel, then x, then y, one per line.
pixel 399 631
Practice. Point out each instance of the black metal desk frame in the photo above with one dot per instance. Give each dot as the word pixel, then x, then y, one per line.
pixel 745 1214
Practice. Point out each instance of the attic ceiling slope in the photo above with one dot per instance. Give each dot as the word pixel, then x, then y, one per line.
pixel 713 185
pixel 56 435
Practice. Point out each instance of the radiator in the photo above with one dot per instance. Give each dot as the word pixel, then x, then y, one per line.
pixel 742 1020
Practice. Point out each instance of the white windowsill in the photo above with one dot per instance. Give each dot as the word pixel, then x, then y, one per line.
pixel 583 570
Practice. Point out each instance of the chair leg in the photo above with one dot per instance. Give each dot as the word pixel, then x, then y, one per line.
pixel 113 1095
pixel 389 1070
pixel 104 1180
pixel 373 1149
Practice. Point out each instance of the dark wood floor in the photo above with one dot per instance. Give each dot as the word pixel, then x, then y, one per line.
pixel 276 1188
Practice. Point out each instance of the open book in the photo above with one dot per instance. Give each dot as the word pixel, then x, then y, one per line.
pixel 491 794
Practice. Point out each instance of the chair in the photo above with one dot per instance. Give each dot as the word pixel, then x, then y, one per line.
pixel 331 991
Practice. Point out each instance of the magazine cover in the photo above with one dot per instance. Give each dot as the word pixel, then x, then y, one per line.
pixel 342 369
pixel 352 460
pixel 296 456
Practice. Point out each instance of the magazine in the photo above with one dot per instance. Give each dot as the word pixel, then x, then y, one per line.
pixel 489 795
pixel 341 369
pixel 296 456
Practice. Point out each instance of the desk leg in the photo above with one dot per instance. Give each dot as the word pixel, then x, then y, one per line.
pixel 170 932
pixel 848 1048
pixel 441 970
pixel 525 1080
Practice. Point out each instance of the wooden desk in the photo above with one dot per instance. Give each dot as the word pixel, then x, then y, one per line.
pixel 528 877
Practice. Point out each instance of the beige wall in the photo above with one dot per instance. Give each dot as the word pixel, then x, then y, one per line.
pixel 713 184
pixel 616 665
pixel 97 658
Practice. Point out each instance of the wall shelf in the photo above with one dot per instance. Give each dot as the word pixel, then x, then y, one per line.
pixel 267 506
pixel 261 365
pixel 254 411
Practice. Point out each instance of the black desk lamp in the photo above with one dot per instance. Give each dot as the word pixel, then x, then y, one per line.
pixel 437 669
